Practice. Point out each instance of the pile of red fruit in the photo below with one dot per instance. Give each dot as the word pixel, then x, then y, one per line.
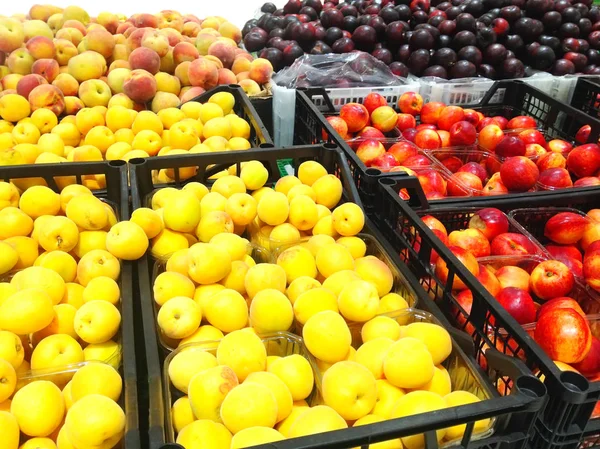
pixel 497 39
pixel 531 288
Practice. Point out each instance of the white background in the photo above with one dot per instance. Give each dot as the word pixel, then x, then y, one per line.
pixel 236 11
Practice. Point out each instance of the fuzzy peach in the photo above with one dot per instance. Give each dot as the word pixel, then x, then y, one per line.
pixel 140 86
pixel 20 61
pixel 226 76
pixel 203 73
pixel 224 51
pixel 240 65
pixel 250 87
pixel 65 50
pixel 48 68
pixel 146 59
pixel 189 93
pixel 28 83
pixel 49 97
pixel 184 51
pixel 156 42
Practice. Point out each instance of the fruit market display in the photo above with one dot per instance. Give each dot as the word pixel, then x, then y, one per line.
pixel 460 152
pixel 542 293
pixel 494 39
pixel 76 88
pixel 60 318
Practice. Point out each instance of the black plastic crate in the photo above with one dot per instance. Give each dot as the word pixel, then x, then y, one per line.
pixel 516 411
pixel 586 96
pixel 244 109
pixel 571 397
pixel 116 193
pixel 555 118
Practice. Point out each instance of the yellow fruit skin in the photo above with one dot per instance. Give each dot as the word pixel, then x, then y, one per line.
pixel 26 312
pixel 96 378
pixel 208 389
pixel 9 431
pixel 95 421
pixel 249 405
pixel 204 433
pixel 39 408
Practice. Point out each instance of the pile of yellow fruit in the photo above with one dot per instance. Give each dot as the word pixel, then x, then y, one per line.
pixel 118 132
pixel 59 307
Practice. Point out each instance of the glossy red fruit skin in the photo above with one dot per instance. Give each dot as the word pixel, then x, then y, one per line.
pixel 564 335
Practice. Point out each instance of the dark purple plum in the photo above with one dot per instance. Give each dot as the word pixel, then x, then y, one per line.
pixel 495 54
pixel 332 18
pixel 463 69
pixel 552 20
pixel 320 33
pixel 447 27
pixel 510 13
pixel 578 60
pixel 485 37
pixel 332 35
pixel 569 30
pixel 394 33
pixel 444 41
pixel 315 4
pixel 399 69
pixel 543 58
pixel 421 39
pixel 463 39
pixel 444 6
pixel 379 25
pixel 384 55
pixel 419 16
pixel 268 7
pixel 404 12
pixel 349 10
pixel 420 5
pixel 466 21
pixel 248 26
pixel 372 9
pixel 453 12
pixel 418 61
pixel 589 69
pixel 291 53
pixel 292 7
pixel 593 56
pixel 320 48
pixel 433 30
pixel 585 26
pixel 403 53
pixel 501 27
pixel 436 70
pixel 365 38
pixel 487 71
pixel 571 15
pixel 350 23
pixel 279 13
pixel 256 39
pixel 537 8
pixel 594 40
pixel 277 32
pixel 551 41
pixel 290 19
pixel 519 3
pixel 528 28
pixel 274 56
pixel 263 21
pixel 471 54
pixel 446 57
pixel 435 20
pixel 389 14
pixel 560 5
pixel 310 12
pixel 363 20
pixel 475 8
pixel 570 44
pixel 343 45
pixel 563 67
pixel 594 14
pixel 532 48
pixel 485 20
pixel 274 42
pixel 514 43
pixel 513 68
pixel 583 9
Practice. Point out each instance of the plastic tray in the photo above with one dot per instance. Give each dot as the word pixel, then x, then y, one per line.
pixel 464 374
pixel 585 96
pixel 571 397
pixel 244 109
pixel 116 192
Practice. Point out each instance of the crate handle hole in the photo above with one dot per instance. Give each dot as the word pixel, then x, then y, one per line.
pixel 266 145
pixel 330 146
pixel 531 386
pixel 117 163
pixel 574 381
pixel 373 172
pixel 387 181
pixel 137 161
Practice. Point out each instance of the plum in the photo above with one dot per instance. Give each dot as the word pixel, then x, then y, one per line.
pixel 436 70
pixel 421 39
pixel 389 14
pixel 365 38
pixel 543 57
pixel 343 45
pixel 514 43
pixel 495 54
pixel 466 21
pixel 277 32
pixel 418 61
pixel 315 4
pixel 350 23
pixel 463 69
pixel 579 60
pixel 268 7
pixel 403 12
pixel 594 40
pixel 500 27
pixel 292 7
pixel 394 33
pixel 444 41
pixel 403 53
pixel 418 17
pixel 349 10
pixel 585 26
pixel 513 68
pixel 256 39
pixel 463 39
pixel 399 69
pixel 551 41
pixel 569 30
pixel 487 71
pixel 510 13
pixel 475 8
pixel 333 34
pixel 593 57
pixel 384 55
pixel 563 67
pixel 447 27
pixel 552 20
pixel 310 12
pixel 274 56
pixel 571 14
pixel 248 26
pixel 537 8
pixel 446 57
pixel 436 20
pixel 470 53
pixel 332 18
pixel 485 36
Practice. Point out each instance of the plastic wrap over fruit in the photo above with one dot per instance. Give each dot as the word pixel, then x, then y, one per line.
pixel 356 69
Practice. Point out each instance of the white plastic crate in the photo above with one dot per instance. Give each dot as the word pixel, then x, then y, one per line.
pixel 457 92
pixel 341 96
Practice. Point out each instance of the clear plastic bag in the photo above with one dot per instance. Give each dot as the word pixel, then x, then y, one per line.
pixel 356 69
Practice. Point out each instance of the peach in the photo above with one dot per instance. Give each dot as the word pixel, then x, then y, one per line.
pixel 565 227
pixel 519 174
pixel 156 42
pixel 511 146
pixel 551 160
pixel 591 235
pixel 135 36
pixel 167 63
pixel 462 133
pixel 28 83
pixel 164 100
pixel 118 64
pixel 20 61
pixel 431 112
pixel 556 178
pixel 189 93
pixel 140 86
pixel 338 125
pixel 472 240
pixel 489 280
pixel 94 93
pixel 428 139
pixel 73 105
pixel 184 51
pixel 559 146
pixel 145 59
pixel 43 12
pixel 116 79
pixel 466 258
pixel 109 21
pixel 75 24
pixel 167 83
pixel 489 137
pixel 170 19
pixel 243 76
pixel 12 34
pixel 65 50
pixel 145 20
pixel 584 160
pixel 72 35
pixel 239 53
pixel 261 71
pixel 384 118
pixel 87 65
pixel 203 73
pixel 225 52
pixel 463 183
pixel 449 116
pixel 226 76
pixel 588 181
pixel 172 35
pixel 101 41
pixel 521 122
pixel 48 68
pixel 41 47
pixel 228 29
pixel 410 103
pixel 406 121
pixel 250 87
pixel 55 22
pixel 511 276
pixel 432 182
pixel 181 72
pixel 369 150
pixel 49 97
pixel 10 81
pixel 191 18
pixel 551 279
pixel 216 61
pixel 534 150
pixel 191 29
pixel 240 65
